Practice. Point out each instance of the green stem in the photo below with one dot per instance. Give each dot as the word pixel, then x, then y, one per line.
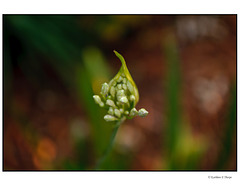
pixel 109 148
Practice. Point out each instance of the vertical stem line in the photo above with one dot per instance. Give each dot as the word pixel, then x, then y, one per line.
pixel 109 148
pixel 173 96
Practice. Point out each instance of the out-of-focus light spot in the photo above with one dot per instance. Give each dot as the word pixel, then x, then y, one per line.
pixel 45 153
pixel 129 139
pixel 79 129
pixel 190 147
pixel 210 93
pixel 190 28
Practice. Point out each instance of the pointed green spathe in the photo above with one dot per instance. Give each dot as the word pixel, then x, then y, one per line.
pixel 124 73
pixel 120 95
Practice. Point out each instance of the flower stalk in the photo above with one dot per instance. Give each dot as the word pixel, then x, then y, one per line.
pixel 110 145
pixel 119 97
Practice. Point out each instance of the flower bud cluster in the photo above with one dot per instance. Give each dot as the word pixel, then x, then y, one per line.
pixel 120 96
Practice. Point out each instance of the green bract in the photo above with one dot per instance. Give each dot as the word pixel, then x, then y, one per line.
pixel 120 95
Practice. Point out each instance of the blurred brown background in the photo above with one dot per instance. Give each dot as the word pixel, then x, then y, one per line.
pixel 185 70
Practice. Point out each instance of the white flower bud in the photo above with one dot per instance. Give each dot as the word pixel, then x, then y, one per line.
pixel 120 93
pixel 117 113
pixel 123 99
pixel 132 98
pixel 121 110
pixel 105 89
pixel 110 103
pixel 142 112
pixel 126 112
pixel 130 87
pixel 101 104
pixel 119 86
pixel 110 111
pixel 124 86
pixel 110 118
pixel 133 112
pixel 112 91
pixel 97 99
pixel 124 80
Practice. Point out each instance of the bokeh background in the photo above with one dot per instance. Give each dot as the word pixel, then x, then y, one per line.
pixel 185 70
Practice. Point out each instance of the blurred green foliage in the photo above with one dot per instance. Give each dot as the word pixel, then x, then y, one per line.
pixel 65 44
pixel 181 152
pixel 228 141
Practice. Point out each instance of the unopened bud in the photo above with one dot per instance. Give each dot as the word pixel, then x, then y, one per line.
pixel 110 103
pixel 101 104
pixel 110 118
pixel 124 86
pixel 120 93
pixel 110 111
pixel 120 96
pixel 133 112
pixel 105 89
pixel 112 91
pixel 119 86
pixel 142 112
pixel 129 86
pixel 121 110
pixel 97 99
pixel 123 99
pixel 117 113
pixel 132 98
